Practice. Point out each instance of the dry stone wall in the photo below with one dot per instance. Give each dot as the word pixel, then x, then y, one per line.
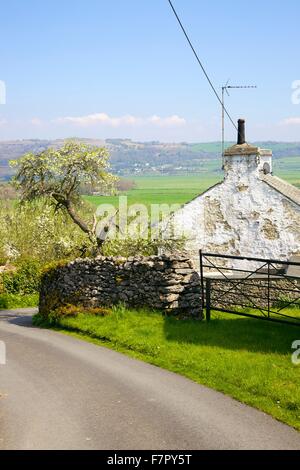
pixel 168 283
pixel 254 293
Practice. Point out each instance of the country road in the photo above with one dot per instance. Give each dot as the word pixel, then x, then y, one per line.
pixel 58 392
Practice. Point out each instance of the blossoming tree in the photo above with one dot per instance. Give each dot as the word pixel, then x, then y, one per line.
pixel 58 174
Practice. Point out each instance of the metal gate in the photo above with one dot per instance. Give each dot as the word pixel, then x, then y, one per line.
pixel 265 289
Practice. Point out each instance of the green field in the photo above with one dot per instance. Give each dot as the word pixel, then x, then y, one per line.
pixel 182 188
pixel 288 169
pixel 162 189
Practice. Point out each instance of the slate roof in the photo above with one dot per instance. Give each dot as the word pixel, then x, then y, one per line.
pixel 287 189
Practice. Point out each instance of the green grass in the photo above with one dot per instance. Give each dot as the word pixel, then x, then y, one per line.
pixel 288 169
pixel 247 359
pixel 162 190
pixel 183 188
pixel 9 301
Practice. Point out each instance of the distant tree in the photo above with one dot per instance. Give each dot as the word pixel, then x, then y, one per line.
pixel 58 174
pixel 125 184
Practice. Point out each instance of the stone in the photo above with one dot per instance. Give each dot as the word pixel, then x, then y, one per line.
pixel 181 265
pixel 177 289
pixel 183 271
pixel 138 281
pixel 169 298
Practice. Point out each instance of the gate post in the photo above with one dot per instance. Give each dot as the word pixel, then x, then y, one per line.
pixel 208 299
pixel 269 289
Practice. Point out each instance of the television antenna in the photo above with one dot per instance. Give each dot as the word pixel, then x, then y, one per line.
pixel 225 89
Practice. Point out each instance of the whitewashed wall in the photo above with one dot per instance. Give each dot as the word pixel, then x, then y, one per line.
pixel 241 216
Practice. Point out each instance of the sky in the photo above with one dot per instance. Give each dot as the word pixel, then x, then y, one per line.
pixel 122 69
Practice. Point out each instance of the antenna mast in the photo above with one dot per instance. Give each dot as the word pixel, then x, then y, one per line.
pixel 225 88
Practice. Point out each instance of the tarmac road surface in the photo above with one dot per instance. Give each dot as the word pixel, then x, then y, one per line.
pixel 58 392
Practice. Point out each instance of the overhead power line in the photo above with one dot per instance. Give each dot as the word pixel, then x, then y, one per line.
pixel 201 65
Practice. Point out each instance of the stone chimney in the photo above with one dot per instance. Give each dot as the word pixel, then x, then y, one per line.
pixel 242 161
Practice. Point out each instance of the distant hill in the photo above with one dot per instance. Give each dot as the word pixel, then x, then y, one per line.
pixel 141 158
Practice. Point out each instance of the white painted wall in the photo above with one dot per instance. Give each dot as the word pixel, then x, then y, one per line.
pixel 241 216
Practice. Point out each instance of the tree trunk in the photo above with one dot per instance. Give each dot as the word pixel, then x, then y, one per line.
pixel 76 219
pixel 81 224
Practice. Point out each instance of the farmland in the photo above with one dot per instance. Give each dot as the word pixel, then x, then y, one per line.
pixel 161 189
pixel 182 188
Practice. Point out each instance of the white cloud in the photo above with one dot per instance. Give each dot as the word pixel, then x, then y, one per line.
pixel 292 121
pixel 127 120
pixel 36 122
pixel 171 121
pixel 98 118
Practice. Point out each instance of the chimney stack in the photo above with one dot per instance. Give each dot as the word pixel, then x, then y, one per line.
pixel 241 132
pixel 243 159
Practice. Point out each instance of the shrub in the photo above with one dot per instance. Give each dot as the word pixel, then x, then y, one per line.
pixel 18 301
pixel 24 280
pixel 141 246
pixel 31 230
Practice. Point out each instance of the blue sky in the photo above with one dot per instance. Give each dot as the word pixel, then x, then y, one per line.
pixel 119 68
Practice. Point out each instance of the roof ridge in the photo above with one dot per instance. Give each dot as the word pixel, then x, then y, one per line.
pixel 284 187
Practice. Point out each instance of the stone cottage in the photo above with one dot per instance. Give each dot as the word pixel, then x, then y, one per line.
pixel 250 213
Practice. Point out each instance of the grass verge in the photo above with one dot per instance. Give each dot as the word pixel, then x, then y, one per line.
pixel 248 359
pixel 10 301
